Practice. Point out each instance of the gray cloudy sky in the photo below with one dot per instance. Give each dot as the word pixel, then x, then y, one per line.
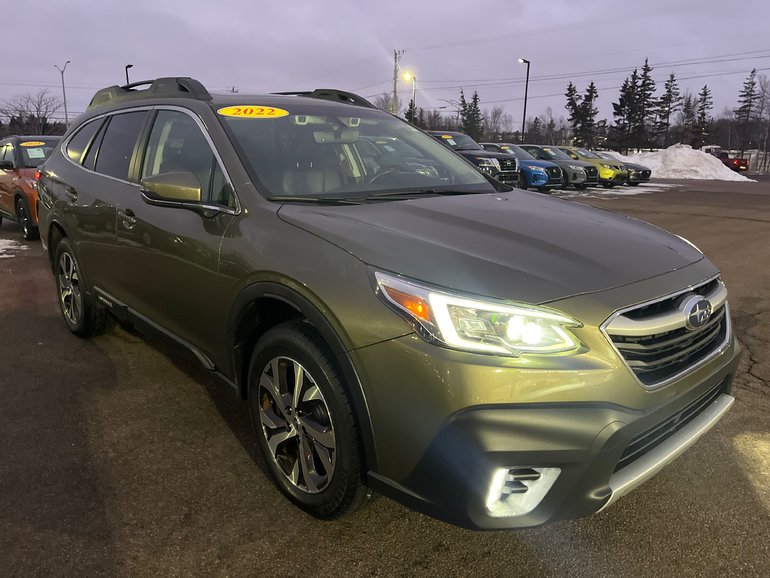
pixel 263 46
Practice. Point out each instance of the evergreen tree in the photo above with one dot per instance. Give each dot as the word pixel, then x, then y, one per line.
pixel 646 106
pixel 668 104
pixel 687 118
pixel 702 117
pixel 573 107
pixel 471 122
pixel 588 112
pixel 411 113
pixel 535 133
pixel 622 110
pixel 747 98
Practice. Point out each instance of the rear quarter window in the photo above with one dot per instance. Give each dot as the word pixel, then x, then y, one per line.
pixel 78 144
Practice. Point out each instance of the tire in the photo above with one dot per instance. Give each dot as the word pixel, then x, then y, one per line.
pixel 318 421
pixel 25 220
pixel 608 185
pixel 82 317
pixel 581 187
pixel 543 189
pixel 630 184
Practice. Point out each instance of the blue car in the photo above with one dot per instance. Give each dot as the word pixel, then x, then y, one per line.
pixel 540 175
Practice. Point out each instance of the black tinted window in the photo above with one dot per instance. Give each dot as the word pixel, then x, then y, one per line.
pixel 78 143
pixel 118 143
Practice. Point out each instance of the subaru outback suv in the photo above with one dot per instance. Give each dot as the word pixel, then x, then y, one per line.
pixel 492 357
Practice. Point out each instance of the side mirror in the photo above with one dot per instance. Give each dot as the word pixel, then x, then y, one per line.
pixel 6 165
pixel 171 188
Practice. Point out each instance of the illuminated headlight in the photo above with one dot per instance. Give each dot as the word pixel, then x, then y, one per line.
pixel 488 162
pixel 469 324
pixel 518 491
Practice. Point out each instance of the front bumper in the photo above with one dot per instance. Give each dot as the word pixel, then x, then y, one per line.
pixel 584 441
pixel 639 176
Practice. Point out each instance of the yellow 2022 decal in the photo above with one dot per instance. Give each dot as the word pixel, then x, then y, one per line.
pixel 33 143
pixel 253 111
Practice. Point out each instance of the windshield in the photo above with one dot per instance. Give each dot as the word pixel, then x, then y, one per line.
pixel 518 152
pixel 588 154
pixel 458 141
pixel 537 152
pixel 608 156
pixel 323 151
pixel 557 154
pixel 34 152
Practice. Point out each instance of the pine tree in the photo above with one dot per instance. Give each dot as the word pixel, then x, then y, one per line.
pixel 535 132
pixel 668 104
pixel 588 112
pixel 411 113
pixel 703 117
pixel 471 121
pixel 687 118
pixel 573 108
pixel 647 105
pixel 747 98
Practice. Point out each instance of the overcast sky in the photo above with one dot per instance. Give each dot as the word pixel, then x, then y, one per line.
pixel 260 46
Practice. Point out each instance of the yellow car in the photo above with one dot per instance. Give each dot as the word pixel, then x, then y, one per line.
pixel 611 173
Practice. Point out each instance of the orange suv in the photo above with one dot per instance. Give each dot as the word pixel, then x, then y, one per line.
pixel 19 158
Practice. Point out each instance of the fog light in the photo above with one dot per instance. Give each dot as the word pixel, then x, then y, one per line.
pixel 518 491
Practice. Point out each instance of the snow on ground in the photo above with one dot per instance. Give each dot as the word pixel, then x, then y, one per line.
pixel 683 162
pixel 8 248
pixel 620 191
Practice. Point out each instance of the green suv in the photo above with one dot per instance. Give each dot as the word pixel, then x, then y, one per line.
pixel 400 322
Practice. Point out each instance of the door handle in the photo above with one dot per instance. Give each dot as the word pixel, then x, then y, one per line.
pixel 128 217
pixel 71 193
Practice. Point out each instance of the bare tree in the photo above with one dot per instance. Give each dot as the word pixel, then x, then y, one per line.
pixel 496 122
pixel 31 113
pixel 384 100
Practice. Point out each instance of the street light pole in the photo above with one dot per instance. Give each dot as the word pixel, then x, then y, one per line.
pixel 127 67
pixel 526 91
pixel 64 93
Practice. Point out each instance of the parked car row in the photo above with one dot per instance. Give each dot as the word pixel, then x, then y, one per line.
pixel 545 167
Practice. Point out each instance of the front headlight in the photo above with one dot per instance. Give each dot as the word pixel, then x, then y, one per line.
pixel 479 326
pixel 488 162
pixel 608 166
pixel 574 167
pixel 538 170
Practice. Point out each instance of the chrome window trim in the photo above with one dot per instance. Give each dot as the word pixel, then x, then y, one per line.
pixel 222 208
pixel 719 293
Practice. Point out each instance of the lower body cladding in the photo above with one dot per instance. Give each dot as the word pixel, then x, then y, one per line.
pixel 501 466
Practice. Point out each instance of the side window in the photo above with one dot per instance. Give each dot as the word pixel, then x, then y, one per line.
pixel 177 144
pixel 93 150
pixel 117 146
pixel 8 152
pixel 77 144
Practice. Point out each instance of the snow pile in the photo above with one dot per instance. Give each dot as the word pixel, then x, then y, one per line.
pixel 682 162
pixel 7 247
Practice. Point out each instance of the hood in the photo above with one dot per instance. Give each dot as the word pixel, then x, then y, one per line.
pixel 518 245
pixel 537 163
pixel 483 153
pixel 635 167
pixel 565 162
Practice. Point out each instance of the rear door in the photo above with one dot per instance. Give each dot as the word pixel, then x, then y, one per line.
pixel 92 192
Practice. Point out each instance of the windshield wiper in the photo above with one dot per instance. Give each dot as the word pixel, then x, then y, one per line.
pixel 419 192
pixel 317 200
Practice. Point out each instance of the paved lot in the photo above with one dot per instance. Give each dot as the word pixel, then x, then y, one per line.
pixel 122 456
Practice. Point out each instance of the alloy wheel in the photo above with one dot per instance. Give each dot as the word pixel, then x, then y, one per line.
pixel 70 296
pixel 297 425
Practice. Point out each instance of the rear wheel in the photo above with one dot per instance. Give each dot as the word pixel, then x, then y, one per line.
pixel 82 318
pixel 25 220
pixel 304 421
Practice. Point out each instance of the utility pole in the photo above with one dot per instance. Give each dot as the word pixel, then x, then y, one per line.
pixel 397 54
pixel 64 93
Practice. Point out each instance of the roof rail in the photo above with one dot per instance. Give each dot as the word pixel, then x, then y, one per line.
pixel 332 94
pixel 160 87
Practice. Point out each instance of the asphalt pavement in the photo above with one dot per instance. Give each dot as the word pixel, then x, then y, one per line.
pixel 121 456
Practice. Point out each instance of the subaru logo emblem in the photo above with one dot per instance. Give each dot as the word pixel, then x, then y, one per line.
pixel 697 312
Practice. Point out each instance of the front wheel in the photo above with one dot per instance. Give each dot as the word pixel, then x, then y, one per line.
pixel 581 187
pixel 608 185
pixel 632 184
pixel 83 318
pixel 304 421
pixel 25 220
